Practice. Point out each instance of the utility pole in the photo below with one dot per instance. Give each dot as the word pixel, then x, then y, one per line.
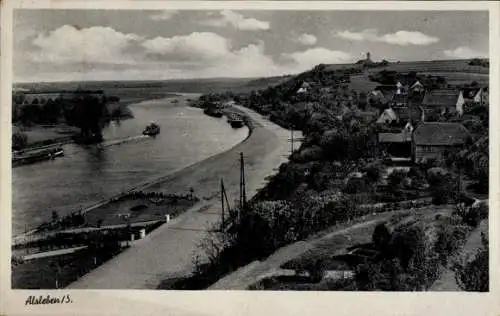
pixel 291 132
pixel 243 197
pixel 222 203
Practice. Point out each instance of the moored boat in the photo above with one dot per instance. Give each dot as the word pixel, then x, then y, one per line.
pixel 235 120
pixel 21 158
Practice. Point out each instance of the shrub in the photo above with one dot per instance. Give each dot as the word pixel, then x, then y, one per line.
pixel 473 275
pixel 19 140
pixel 449 239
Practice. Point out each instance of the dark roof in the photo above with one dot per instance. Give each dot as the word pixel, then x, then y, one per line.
pixel 441 97
pixel 394 137
pixel 470 92
pixel 400 98
pixel 438 133
pixel 403 113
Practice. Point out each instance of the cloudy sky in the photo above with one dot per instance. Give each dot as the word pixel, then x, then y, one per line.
pixel 61 45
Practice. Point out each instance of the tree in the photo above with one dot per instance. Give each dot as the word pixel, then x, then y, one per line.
pixel 55 216
pixel 19 140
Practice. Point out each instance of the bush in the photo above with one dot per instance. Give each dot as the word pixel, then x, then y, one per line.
pixel 449 239
pixel 373 171
pixel 473 275
pixel 19 140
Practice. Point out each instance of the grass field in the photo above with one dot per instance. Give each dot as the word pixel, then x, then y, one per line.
pixel 447 66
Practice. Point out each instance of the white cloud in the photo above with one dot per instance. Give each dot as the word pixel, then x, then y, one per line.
pixel 309 58
pixel 102 53
pixel 402 38
pixel 97 44
pixel 306 39
pixel 204 45
pixel 238 21
pixel 163 15
pixel 464 52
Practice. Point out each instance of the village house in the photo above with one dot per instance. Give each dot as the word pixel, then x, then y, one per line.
pixel 395 144
pixel 431 140
pixel 387 117
pixel 304 88
pixel 400 100
pixel 386 91
pixel 417 87
pixel 437 103
pixel 473 94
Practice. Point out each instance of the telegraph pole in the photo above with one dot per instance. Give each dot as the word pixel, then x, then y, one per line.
pixel 243 197
pixel 222 203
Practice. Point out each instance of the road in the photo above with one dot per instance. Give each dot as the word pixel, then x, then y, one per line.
pixel 169 250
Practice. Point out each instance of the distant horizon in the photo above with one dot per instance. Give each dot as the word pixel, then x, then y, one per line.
pixel 226 78
pixel 87 45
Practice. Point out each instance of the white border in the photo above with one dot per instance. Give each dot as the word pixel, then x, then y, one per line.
pixel 124 302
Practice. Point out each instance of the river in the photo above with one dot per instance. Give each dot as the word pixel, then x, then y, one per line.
pixel 89 174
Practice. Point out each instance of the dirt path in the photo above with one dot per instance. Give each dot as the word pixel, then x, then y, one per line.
pixel 168 251
pixel 248 275
pixel 252 273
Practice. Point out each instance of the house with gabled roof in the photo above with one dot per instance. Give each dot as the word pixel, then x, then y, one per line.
pixel 388 116
pixel 304 87
pixel 395 144
pixel 443 101
pixel 472 94
pixel 417 86
pixel 431 140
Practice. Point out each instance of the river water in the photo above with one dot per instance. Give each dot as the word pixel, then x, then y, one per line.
pixel 89 174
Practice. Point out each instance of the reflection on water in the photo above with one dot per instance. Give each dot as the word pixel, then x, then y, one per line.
pixel 90 173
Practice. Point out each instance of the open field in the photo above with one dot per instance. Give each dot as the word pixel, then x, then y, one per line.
pixel 459 65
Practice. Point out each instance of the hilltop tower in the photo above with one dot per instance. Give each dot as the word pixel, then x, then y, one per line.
pixel 368 57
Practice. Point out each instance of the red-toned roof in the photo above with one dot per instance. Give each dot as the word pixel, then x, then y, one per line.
pixel 440 134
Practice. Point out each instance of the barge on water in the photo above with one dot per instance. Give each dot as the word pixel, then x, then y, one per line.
pixel 235 120
pixel 22 158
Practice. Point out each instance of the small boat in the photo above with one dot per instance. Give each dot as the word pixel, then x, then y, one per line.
pixel 236 121
pixel 21 158
pixel 152 130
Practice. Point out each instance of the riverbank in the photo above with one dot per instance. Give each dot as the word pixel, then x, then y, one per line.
pixel 169 250
pixel 181 99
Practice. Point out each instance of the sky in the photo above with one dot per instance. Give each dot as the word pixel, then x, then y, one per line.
pixel 78 45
